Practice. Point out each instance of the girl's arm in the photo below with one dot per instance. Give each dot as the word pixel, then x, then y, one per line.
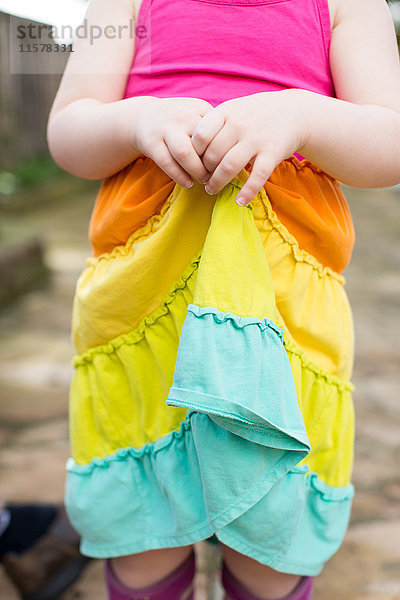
pixel 357 138
pixel 93 132
pixel 87 132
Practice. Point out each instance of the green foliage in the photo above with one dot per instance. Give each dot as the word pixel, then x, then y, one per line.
pixel 35 171
pixel 28 173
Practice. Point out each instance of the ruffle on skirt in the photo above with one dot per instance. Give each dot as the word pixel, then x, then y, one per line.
pixel 219 410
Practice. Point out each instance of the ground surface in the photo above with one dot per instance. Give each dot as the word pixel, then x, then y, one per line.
pixel 35 355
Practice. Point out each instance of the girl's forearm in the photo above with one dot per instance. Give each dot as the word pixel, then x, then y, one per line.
pixel 92 139
pixel 357 144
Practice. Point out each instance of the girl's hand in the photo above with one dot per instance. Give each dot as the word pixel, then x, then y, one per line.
pixel 162 131
pixel 262 129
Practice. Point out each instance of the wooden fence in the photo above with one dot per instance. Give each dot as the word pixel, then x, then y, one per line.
pixel 25 99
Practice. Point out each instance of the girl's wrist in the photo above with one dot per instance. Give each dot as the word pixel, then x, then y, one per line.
pixel 129 118
pixel 297 105
pixel 303 109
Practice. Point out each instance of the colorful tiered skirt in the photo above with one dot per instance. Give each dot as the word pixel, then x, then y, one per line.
pixel 211 392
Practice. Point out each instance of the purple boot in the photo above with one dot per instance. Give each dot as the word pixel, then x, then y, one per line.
pixel 176 586
pixel 236 591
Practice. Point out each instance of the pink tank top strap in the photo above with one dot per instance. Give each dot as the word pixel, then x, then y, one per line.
pixel 326 26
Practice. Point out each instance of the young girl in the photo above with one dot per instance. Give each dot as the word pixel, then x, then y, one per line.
pixel 211 393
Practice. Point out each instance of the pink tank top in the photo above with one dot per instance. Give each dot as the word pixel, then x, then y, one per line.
pixel 222 49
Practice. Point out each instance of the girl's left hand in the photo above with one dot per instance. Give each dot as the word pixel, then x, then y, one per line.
pixel 262 129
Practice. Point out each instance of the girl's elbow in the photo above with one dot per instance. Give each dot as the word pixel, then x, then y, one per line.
pixel 56 146
pixel 66 157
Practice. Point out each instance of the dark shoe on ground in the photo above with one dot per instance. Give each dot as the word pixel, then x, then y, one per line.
pixel 51 565
pixel 21 525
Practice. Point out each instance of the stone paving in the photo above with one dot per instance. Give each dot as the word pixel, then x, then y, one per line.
pixel 35 356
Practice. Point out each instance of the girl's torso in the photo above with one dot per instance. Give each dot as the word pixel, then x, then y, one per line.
pixel 221 49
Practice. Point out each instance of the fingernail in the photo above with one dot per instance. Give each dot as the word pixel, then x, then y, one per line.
pixel 208 190
pixel 188 184
pixel 206 178
pixel 241 201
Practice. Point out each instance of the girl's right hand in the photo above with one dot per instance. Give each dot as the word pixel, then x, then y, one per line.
pixel 162 131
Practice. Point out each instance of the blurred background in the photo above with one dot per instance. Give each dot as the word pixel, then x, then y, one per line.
pixel 44 216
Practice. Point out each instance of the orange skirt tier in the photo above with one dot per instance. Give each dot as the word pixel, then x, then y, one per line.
pixel 307 201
